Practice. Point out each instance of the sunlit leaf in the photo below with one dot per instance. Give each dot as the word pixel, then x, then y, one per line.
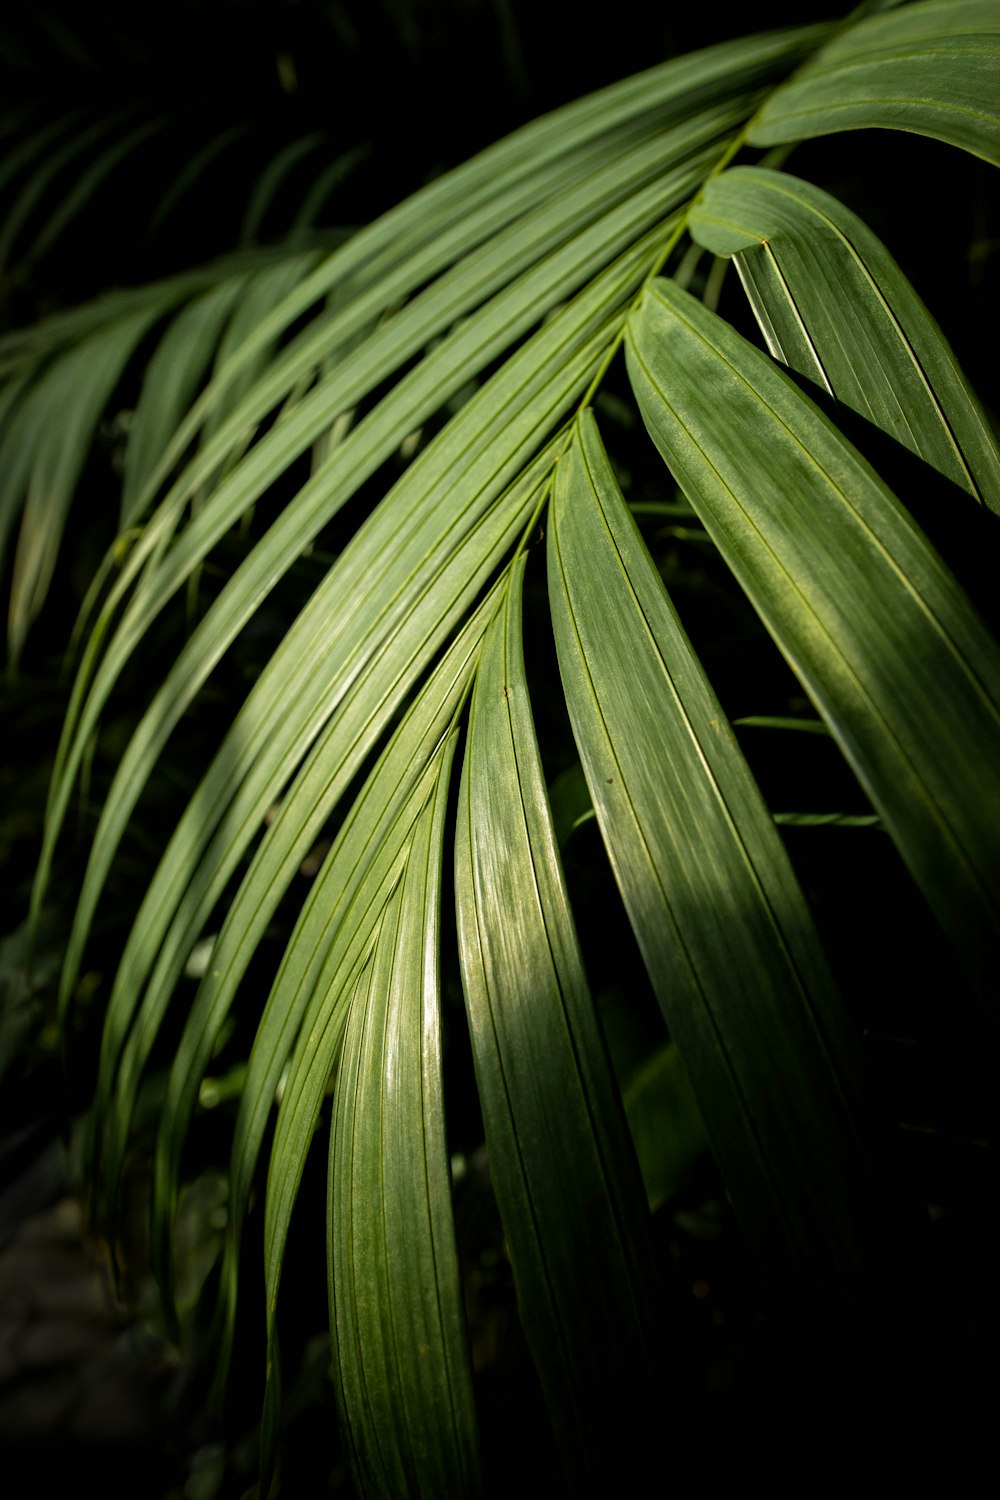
pixel 882 638
pixel 832 303
pixel 562 1161
pixel 402 1361
pixel 722 926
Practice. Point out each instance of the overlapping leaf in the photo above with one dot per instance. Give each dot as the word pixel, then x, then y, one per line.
pixel 43 455
pixel 64 375
pixel 402 1359
pixel 932 68
pixel 722 925
pixel 884 641
pixel 562 1162
pixel 832 303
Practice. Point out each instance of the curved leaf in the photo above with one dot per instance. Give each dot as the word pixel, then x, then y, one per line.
pixel 561 1159
pixel 932 68
pixel 723 928
pixel 882 638
pixel 171 381
pixel 832 303
pixel 46 448
pixel 404 1376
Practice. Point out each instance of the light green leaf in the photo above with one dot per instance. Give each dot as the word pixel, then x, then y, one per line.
pixel 832 303
pixel 402 1363
pixel 562 1162
pixel 880 635
pixel 510 313
pixel 931 68
pixel 724 931
pixel 362 604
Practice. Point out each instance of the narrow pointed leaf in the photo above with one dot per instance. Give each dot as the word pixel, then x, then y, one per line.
pixel 271 179
pixel 333 932
pixel 561 1159
pixel 932 68
pixel 171 382
pixel 192 170
pixel 80 192
pixel 364 600
pixel 67 402
pixel 879 633
pixel 33 192
pixel 832 303
pixel 404 1376
pixel 722 925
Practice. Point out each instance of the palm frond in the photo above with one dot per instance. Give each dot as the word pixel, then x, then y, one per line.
pixel 422 401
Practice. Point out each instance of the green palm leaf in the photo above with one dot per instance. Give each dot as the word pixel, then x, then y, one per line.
pixel 43 457
pixel 437 371
pixel 930 68
pixel 395 1296
pixel 703 874
pixel 833 304
pixel 564 1166
pixel 882 638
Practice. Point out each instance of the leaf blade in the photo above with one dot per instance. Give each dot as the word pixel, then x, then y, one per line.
pixel 930 68
pixel 704 878
pixel 540 1057
pixel 885 642
pixel 835 306
pixel 404 1375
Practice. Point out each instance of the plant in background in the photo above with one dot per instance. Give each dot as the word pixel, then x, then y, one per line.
pixel 425 410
